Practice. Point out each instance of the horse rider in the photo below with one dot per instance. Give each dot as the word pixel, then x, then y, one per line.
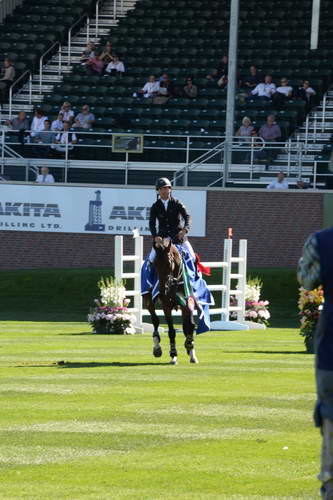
pixel 173 219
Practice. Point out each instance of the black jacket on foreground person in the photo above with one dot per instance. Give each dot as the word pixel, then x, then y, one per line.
pixel 170 220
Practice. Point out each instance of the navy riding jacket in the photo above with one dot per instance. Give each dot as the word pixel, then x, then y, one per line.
pixel 170 221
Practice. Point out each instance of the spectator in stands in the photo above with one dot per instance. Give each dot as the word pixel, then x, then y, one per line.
pixel 150 89
pixel 44 139
pixel 282 94
pixel 279 183
pixel 221 70
pixel 300 184
pixel 115 66
pixel 44 176
pixel 37 124
pixel 265 90
pixel 164 77
pixel 20 124
pixel 257 152
pixel 173 91
pixel 88 53
pixel 95 65
pixel 245 130
pixel 270 133
pixel 162 96
pixel 67 112
pixel 64 139
pixel 107 54
pixel 85 119
pixel 7 78
pixel 252 79
pixel 190 90
pixel 58 124
pixel 308 94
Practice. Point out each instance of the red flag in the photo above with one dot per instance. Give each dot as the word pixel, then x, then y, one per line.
pixel 201 268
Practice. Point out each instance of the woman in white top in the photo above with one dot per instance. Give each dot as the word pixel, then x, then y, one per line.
pixel 37 124
pixel 115 66
pixel 68 113
pixel 245 130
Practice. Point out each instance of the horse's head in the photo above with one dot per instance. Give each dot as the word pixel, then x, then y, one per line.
pixel 168 266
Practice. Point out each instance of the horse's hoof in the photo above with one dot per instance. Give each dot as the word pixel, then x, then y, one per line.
pixel 157 351
pixel 193 358
pixel 174 361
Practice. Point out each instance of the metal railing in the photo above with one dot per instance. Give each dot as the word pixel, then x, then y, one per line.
pixel 220 149
pixel 10 104
pixel 41 59
pixel 115 8
pixel 69 36
pixel 249 163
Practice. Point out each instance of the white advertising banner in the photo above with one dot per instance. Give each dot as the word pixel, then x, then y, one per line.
pixel 71 209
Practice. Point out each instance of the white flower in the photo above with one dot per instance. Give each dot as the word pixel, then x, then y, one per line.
pixel 252 293
pixel 264 314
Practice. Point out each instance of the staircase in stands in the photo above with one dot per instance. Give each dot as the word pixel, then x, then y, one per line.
pixel 51 74
pixel 315 133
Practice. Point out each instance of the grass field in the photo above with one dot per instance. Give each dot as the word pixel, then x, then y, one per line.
pixel 113 423
pixel 97 417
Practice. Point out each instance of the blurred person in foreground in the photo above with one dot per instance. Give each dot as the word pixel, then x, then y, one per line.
pixel 316 268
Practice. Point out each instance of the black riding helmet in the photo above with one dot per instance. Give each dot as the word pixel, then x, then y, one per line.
pixel 162 182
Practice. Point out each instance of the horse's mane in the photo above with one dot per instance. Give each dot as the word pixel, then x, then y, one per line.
pixel 168 267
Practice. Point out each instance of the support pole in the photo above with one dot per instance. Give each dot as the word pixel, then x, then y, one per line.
pixel 232 76
pixel 315 24
pixel 242 279
pixel 138 251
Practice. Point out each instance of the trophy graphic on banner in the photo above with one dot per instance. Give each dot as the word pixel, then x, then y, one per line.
pixel 95 214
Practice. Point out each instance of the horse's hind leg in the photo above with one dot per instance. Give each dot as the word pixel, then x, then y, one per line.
pixel 188 329
pixel 157 349
pixel 172 335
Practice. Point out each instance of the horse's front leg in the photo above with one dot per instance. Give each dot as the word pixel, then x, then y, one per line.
pixel 157 349
pixel 188 329
pixel 172 334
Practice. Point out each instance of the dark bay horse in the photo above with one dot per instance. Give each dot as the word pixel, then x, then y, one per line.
pixel 169 269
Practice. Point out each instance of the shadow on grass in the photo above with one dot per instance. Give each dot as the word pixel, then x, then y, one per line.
pixel 87 364
pixel 95 364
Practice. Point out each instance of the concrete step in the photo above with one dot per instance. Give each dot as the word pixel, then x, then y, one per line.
pixel 103 23
pixel 49 68
pixel 16 108
pixel 320 136
pixel 295 157
pixel 25 97
pixel 35 87
pixel 48 78
pixel 318 126
pixel 73 59
pixel 101 32
pixel 75 49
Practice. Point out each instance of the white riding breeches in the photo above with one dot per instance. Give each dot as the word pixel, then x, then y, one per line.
pixel 186 245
